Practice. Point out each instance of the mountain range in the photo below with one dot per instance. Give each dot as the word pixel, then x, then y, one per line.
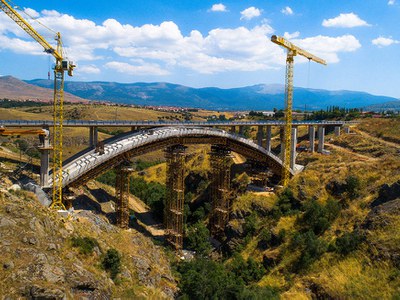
pixel 15 89
pixel 256 97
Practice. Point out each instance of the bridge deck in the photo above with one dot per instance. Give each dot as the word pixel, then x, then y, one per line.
pixel 127 123
pixel 126 145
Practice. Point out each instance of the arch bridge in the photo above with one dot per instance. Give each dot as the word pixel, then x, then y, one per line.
pixel 150 136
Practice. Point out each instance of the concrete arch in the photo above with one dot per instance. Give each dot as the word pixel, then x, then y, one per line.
pixel 87 164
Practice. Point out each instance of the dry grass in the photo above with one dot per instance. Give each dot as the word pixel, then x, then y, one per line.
pixel 386 129
pixel 355 277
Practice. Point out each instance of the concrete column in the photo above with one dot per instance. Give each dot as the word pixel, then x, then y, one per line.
pixel 233 129
pixel 260 135
pixel 44 159
pixel 268 138
pixel 133 128
pixel 293 148
pixel 347 130
pixel 93 136
pixel 321 138
pixel 241 129
pixel 311 137
pixel 337 130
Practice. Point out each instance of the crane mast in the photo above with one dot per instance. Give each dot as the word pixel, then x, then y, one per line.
pixel 61 66
pixel 292 51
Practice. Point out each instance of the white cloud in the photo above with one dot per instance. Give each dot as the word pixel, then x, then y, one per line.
pixel 31 12
pixel 345 21
pixel 160 50
pixel 327 47
pixel 218 7
pixel 88 69
pixel 384 42
pixel 287 11
pixel 129 69
pixel 290 36
pixel 391 2
pixel 250 13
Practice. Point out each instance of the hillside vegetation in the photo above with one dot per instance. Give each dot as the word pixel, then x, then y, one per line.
pixel 333 233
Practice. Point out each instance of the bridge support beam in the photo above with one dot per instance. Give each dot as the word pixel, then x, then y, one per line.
pixel 347 130
pixel 93 137
pixel 311 137
pixel 268 138
pixel 321 138
pixel 174 200
pixel 233 129
pixel 220 161
pixel 260 135
pixel 122 194
pixel 293 148
pixel 44 159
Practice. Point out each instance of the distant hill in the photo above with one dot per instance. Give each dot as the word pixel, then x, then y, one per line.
pixel 15 89
pixel 386 106
pixel 257 97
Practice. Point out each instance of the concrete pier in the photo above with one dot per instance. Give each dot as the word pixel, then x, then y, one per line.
pixel 268 138
pixel 321 138
pixel 337 130
pixel 260 135
pixel 233 129
pixel 241 129
pixel 347 130
pixel 44 149
pixel 93 137
pixel 311 138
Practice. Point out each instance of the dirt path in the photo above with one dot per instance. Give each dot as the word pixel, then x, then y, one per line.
pixel 145 217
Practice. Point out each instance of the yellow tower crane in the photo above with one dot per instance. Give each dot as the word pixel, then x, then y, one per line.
pixel 61 66
pixel 292 51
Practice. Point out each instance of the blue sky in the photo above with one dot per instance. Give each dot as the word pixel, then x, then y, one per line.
pixel 211 43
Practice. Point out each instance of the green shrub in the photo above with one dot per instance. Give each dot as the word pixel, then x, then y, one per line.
pixel 251 224
pixel 198 239
pixel 111 262
pixel 319 217
pixel 108 177
pixel 249 271
pixel 311 248
pixel 348 242
pixel 287 204
pixel 353 186
pixel 270 239
pixel 86 245
pixel 206 279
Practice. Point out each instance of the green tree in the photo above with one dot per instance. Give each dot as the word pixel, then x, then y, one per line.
pixel 198 239
pixel 206 279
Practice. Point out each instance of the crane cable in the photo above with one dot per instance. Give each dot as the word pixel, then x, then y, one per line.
pixel 23 11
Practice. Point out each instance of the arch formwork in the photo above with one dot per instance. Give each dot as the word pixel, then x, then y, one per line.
pixel 90 163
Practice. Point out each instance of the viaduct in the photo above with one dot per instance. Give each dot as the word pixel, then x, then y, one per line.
pixel 147 136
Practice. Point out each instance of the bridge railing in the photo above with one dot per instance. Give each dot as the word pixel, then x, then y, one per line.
pixel 127 123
